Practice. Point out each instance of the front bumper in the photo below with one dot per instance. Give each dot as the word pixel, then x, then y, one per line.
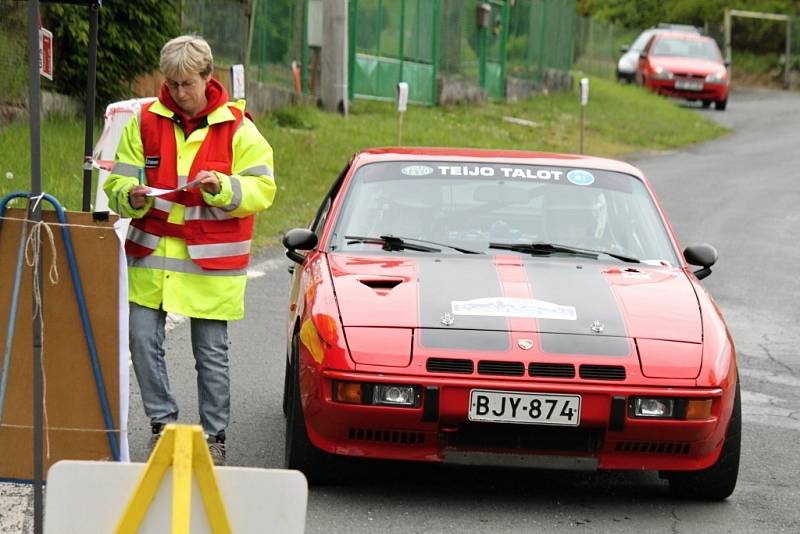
pixel 717 92
pixel 439 430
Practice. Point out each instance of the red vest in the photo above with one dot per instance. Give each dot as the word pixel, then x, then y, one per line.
pixel 205 236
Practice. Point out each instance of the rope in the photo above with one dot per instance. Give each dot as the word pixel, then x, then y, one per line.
pixel 62 428
pixel 68 225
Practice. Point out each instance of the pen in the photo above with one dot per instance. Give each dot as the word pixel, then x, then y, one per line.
pixel 141 176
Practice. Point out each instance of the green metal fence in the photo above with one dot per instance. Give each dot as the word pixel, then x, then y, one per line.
pixel 393 41
pixel 266 35
pixel 541 38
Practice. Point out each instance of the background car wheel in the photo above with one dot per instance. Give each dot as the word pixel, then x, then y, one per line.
pixel 706 103
pixel 318 466
pixel 718 481
pixel 720 105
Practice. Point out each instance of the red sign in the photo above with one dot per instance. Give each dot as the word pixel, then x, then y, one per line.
pixel 46 53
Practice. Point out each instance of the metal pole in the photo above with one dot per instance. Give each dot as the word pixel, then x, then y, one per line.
pixel 788 62
pixel 90 92
pixel 728 42
pixel 34 105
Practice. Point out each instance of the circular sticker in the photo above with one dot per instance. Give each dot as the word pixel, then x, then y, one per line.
pixel 416 170
pixel 580 177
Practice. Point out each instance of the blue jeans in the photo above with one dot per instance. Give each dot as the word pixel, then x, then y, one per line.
pixel 210 348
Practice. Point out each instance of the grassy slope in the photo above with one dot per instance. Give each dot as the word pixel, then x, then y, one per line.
pixel 311 146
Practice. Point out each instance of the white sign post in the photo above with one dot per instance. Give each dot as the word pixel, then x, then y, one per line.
pixel 402 105
pixel 584 101
pixel 237 81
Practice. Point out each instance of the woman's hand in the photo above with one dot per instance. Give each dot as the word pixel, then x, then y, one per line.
pixel 137 196
pixel 209 182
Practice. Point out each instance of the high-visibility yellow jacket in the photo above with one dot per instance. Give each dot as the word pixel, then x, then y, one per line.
pixel 167 277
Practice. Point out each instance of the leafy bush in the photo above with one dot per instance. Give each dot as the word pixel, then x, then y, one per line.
pixel 130 37
pixel 297 117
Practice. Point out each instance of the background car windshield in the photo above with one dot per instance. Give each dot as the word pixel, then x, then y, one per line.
pixel 687 48
pixel 469 205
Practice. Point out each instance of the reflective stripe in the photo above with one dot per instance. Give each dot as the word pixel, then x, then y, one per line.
pixel 126 169
pixel 163 205
pixel 205 213
pixel 236 186
pixel 181 180
pixel 219 250
pixel 258 170
pixel 179 266
pixel 142 238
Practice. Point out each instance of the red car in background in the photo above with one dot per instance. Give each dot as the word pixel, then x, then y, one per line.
pixel 505 308
pixel 686 66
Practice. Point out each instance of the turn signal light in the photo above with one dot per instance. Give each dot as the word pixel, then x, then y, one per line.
pixel 698 409
pixel 349 392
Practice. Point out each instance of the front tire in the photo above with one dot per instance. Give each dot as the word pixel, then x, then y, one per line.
pixel 318 466
pixel 720 105
pixel 718 481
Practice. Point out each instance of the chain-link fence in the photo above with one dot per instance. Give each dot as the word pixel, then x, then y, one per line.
pixel 597 46
pixel 266 35
pixel 13 51
pixel 541 37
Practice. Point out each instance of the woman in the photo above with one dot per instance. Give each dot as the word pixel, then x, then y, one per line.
pixel 188 250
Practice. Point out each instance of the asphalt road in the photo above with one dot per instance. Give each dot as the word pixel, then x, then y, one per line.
pixel 741 194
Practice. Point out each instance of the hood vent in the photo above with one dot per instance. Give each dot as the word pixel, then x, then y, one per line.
pixel 602 372
pixel 383 284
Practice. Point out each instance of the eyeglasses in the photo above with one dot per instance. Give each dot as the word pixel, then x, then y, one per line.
pixel 189 84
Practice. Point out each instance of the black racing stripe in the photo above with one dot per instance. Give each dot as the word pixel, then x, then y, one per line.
pixel 590 344
pixel 583 286
pixel 478 340
pixel 444 280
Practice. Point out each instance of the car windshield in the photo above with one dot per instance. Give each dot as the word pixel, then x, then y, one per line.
pixel 695 48
pixel 475 206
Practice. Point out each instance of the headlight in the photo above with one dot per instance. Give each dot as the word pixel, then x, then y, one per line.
pixel 653 407
pixel 670 408
pixel 660 73
pixel 376 394
pixel 716 77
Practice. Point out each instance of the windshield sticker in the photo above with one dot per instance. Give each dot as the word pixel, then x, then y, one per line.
pixel 416 170
pixel 513 307
pixel 505 172
pixel 580 177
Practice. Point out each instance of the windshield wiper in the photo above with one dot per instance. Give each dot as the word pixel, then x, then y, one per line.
pixel 389 243
pixel 551 248
pixel 453 247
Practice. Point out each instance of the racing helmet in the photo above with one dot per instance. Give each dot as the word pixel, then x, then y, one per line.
pixel 574 215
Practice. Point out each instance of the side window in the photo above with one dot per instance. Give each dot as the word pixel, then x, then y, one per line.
pixel 322 214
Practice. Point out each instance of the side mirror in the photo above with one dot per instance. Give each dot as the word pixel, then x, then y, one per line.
pixel 624 48
pixel 299 239
pixel 703 255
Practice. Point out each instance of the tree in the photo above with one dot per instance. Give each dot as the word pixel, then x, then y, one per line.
pixel 131 35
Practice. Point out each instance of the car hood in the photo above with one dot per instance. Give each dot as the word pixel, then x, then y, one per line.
pixel 516 293
pixel 686 65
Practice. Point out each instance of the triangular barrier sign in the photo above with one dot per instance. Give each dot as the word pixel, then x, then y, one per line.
pixel 178 490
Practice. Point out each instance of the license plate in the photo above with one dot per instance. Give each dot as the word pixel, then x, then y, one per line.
pixel 525 408
pixel 689 85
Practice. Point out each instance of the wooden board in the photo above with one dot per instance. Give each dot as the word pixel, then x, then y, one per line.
pixel 71 400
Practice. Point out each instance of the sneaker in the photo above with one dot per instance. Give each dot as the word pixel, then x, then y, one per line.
pixel 156 429
pixel 216 447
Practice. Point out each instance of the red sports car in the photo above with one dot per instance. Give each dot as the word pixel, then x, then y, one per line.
pixel 683 65
pixel 506 308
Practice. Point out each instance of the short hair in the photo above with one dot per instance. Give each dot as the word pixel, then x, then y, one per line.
pixel 186 55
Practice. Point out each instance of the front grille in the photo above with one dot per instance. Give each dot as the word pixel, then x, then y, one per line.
pixel 602 372
pixel 488 367
pixel 653 447
pixel 488 436
pixel 556 370
pixel 386 436
pixel 449 365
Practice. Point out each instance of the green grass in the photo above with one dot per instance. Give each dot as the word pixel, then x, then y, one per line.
pixel 312 146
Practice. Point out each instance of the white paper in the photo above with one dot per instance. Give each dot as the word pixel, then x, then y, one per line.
pixel 156 192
